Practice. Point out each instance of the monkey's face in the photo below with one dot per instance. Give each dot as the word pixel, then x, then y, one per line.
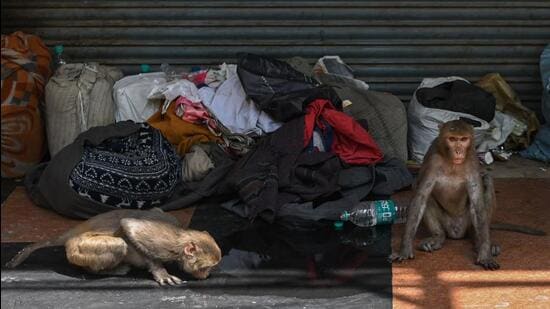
pixel 200 266
pixel 455 139
pixel 458 146
pixel 200 256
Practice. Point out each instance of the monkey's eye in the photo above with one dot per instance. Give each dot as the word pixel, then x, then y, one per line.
pixel 452 139
pixel 204 269
pixel 463 139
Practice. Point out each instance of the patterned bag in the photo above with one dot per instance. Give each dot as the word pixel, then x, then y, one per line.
pixel 25 70
pixel 136 171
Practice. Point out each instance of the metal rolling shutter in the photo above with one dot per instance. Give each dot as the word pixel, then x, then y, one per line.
pixel 392 45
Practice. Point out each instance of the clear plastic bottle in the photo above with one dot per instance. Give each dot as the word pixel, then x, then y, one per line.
pixel 59 57
pixel 169 71
pixel 371 213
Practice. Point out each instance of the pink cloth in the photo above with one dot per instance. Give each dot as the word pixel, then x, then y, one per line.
pixel 194 113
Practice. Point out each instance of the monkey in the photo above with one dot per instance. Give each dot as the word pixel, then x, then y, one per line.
pixel 453 197
pixel 112 242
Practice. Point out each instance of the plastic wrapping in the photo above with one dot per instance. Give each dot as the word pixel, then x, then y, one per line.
pixel 131 96
pixel 508 102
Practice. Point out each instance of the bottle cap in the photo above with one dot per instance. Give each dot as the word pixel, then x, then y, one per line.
pixel 345 216
pixel 338 225
pixel 58 49
pixel 145 68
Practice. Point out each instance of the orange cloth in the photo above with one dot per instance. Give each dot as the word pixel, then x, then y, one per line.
pixel 25 70
pixel 182 134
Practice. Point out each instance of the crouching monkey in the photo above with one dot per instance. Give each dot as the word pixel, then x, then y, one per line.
pixel 452 196
pixel 111 242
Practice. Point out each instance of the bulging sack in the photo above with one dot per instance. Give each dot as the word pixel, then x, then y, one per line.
pixel 25 71
pixel 424 122
pixel 78 97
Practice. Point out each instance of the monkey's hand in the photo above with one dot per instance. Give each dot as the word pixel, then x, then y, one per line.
pixel 404 254
pixel 489 263
pixel 163 277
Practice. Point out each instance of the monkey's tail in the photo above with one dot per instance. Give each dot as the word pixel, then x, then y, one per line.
pixel 517 228
pixel 28 250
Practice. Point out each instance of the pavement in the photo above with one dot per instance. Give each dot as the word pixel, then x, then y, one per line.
pixel 317 278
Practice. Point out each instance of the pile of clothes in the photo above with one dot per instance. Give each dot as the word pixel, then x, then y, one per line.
pixel 265 139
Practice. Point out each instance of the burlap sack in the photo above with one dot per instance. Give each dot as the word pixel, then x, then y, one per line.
pixel 78 97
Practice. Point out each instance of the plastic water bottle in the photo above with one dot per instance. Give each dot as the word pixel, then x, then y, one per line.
pixel 59 58
pixel 169 71
pixel 371 213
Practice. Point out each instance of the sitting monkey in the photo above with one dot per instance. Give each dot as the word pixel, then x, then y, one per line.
pixel 452 196
pixel 110 242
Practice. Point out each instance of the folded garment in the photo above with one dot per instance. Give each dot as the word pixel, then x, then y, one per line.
pixel 196 164
pixel 182 134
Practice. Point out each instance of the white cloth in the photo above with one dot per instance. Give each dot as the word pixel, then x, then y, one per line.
pixel 130 96
pixel 214 78
pixel 231 107
pixel 207 95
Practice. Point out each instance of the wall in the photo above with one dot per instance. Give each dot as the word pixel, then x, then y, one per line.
pixel 392 45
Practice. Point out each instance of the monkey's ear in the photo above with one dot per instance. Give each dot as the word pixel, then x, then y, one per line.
pixel 155 239
pixel 190 248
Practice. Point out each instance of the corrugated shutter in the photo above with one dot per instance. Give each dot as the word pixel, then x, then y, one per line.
pixel 392 45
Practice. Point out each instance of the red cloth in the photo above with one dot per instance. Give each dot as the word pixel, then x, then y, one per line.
pixel 351 142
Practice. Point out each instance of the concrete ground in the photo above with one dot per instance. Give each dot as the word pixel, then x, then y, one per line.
pixel 444 279
pixel 518 167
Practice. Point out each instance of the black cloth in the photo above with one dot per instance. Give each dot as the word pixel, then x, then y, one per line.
pixel 278 89
pixel 48 184
pixel 278 171
pixel 356 183
pixel 459 96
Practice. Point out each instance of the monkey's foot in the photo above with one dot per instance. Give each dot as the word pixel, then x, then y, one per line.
pixel 401 256
pixel 431 244
pixel 488 263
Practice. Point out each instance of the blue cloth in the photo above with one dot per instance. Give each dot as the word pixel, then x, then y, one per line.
pixel 540 148
pixel 327 137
